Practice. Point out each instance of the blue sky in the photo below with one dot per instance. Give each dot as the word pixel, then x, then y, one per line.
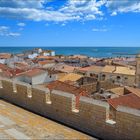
pixel 70 23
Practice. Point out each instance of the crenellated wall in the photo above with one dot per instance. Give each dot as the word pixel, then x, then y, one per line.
pixel 92 116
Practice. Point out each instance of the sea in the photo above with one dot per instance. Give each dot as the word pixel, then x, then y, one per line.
pixel 98 52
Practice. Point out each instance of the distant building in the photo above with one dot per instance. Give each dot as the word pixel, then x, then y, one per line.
pixel 118 74
pixel 65 68
pixel 32 56
pixel 48 53
pixel 91 71
pixel 4 57
pixel 46 63
pixel 35 76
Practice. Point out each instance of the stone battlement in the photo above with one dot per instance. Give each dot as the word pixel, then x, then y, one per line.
pixel 92 116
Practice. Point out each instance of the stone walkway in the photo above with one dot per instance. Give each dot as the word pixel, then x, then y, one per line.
pixel 17 123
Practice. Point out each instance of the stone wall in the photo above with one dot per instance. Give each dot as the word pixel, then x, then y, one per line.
pixel 91 118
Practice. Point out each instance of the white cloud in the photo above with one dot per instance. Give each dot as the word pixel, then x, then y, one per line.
pixel 22 3
pixel 21 24
pixel 13 34
pixel 5 31
pixel 114 13
pixel 37 15
pixel 63 24
pixel 79 10
pixel 99 30
pixel 123 6
pixel 86 9
pixel 35 10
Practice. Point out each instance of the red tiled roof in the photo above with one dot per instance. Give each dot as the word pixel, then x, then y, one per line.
pixel 129 100
pixel 46 62
pixel 34 72
pixel 133 90
pixel 3 67
pixel 11 72
pixel 62 86
pixel 5 56
pixel 16 71
pixel 45 57
pixel 92 68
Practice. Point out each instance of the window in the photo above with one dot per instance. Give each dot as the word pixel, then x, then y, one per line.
pixel 103 77
pixel 126 78
pixel 118 77
pixel 50 76
pixel 91 74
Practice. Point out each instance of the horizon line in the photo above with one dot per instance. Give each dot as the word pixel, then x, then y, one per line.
pixel 70 46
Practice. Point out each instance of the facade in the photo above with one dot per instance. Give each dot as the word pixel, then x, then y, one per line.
pixel 47 63
pixel 119 75
pixel 32 56
pixel 91 71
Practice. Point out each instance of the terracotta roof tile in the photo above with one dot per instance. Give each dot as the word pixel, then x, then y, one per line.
pixel 134 90
pixel 46 57
pixel 65 68
pixel 119 90
pixel 46 62
pixel 71 77
pixel 92 68
pixel 5 56
pixel 3 67
pixel 129 100
pixel 124 70
pixel 118 70
pixel 58 85
pixel 34 72
pixel 108 69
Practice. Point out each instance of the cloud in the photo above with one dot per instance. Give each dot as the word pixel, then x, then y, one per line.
pixel 99 30
pixel 21 24
pixel 5 31
pixel 85 9
pixel 123 6
pixel 78 10
pixel 36 10
pixel 22 3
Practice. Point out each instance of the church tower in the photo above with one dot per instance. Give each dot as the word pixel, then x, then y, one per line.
pixel 138 70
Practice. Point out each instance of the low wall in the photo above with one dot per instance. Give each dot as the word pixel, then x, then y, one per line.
pixel 91 118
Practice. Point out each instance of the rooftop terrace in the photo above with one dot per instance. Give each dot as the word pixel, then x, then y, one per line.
pixel 17 123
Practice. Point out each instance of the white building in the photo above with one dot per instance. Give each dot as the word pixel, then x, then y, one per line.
pixel 36 76
pixel 32 56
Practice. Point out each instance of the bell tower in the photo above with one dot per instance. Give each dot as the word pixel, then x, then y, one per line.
pixel 138 71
